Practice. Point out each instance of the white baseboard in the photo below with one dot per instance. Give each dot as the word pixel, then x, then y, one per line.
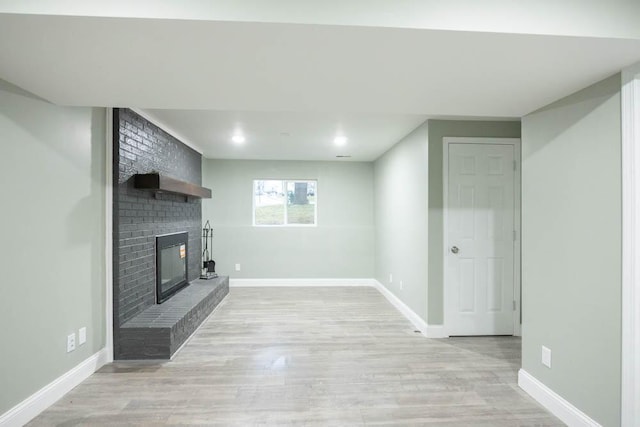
pixel 554 403
pixel 436 331
pixel 429 331
pixel 416 320
pixel 29 408
pixel 248 283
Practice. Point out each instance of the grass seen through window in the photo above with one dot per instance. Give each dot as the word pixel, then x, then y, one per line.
pixel 284 202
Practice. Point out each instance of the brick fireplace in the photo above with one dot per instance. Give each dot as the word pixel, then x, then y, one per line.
pixel 139 216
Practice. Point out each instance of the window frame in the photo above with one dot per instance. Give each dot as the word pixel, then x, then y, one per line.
pixel 285 182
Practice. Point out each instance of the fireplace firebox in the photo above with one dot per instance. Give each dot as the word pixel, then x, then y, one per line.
pixel 172 260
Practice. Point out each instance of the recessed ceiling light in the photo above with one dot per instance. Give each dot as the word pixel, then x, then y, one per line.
pixel 238 139
pixel 340 140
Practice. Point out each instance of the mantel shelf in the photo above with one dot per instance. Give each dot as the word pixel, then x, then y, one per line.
pixel 164 184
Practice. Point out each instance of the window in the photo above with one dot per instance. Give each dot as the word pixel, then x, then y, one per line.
pixel 284 202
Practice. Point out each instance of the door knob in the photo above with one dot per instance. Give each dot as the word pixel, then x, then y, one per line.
pixel 454 249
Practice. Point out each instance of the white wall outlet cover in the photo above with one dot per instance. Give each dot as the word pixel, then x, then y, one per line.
pixel 390 278
pixel 71 342
pixel 400 284
pixel 82 336
pixel 546 357
pixel 237 267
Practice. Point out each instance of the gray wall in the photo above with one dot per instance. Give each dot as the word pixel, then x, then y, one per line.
pixel 52 169
pixel 401 191
pixel 439 129
pixel 341 246
pixel 571 253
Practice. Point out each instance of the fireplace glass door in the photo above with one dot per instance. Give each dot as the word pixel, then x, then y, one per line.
pixel 171 264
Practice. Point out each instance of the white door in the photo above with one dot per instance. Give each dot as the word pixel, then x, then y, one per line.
pixel 480 219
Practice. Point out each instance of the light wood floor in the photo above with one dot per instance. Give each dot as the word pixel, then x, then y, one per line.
pixel 310 356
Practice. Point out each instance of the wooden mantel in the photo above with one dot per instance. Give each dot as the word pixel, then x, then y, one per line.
pixel 164 184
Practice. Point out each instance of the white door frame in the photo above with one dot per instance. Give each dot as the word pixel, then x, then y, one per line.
pixel 630 410
pixel 515 142
pixel 108 247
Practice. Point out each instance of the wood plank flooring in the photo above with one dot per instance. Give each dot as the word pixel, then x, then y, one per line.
pixel 309 356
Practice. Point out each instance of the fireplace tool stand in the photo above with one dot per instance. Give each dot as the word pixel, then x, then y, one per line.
pixel 208 265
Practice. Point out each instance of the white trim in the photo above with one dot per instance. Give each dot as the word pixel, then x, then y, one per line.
pixel 32 406
pixel 108 233
pixel 429 331
pixel 553 402
pixel 517 246
pixel 251 283
pixel 168 129
pixel 630 111
pixel 436 331
pixel 411 315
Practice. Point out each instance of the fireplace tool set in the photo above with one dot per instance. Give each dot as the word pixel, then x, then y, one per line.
pixel 208 265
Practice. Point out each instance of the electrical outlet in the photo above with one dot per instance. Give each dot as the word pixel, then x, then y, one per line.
pixel 400 284
pixel 237 267
pixel 71 342
pixel 390 278
pixel 546 357
pixel 82 336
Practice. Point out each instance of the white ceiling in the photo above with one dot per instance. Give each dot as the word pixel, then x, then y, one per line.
pixel 584 18
pixel 170 64
pixel 285 135
pixel 376 82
